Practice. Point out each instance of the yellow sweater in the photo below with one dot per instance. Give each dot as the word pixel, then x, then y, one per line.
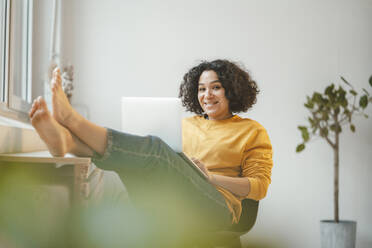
pixel 234 147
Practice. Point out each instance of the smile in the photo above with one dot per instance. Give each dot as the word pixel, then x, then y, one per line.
pixel 210 104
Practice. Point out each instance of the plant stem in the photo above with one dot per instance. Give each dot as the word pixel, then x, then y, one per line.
pixel 336 175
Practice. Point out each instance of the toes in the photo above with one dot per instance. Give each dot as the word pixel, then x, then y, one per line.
pixel 40 116
pixel 31 112
pixel 56 84
pixel 59 80
pixel 54 87
pixel 34 107
pixel 57 76
pixel 56 71
pixel 35 104
pixel 38 99
pixel 42 103
pixel 35 119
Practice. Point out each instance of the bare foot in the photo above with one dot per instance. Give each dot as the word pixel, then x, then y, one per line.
pixel 56 137
pixel 62 109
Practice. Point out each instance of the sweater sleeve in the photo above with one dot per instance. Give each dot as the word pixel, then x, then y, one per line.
pixel 257 163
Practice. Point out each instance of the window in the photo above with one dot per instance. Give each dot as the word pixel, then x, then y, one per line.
pixel 3 20
pixel 16 54
pixel 29 46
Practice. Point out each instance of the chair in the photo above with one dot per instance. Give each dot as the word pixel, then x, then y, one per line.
pixel 231 236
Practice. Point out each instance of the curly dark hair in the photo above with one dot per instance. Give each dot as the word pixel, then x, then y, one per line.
pixel 240 89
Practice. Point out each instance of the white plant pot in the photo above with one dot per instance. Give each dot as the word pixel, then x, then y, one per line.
pixel 337 235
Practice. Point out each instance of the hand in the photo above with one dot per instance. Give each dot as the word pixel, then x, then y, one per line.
pixel 203 168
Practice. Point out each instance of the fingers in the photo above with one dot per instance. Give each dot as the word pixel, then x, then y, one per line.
pixel 204 169
pixel 199 164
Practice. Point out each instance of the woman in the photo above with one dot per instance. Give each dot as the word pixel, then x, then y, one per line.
pixel 233 152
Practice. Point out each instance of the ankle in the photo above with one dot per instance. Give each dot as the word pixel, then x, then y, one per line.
pixel 58 149
pixel 68 143
pixel 72 120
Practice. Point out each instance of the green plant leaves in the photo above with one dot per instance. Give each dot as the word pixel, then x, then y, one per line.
pixel 346 82
pixel 332 110
pixel 353 92
pixel 317 98
pixel 304 133
pixel 341 97
pixel 352 128
pixel 329 90
pixel 309 105
pixel 348 113
pixel 337 110
pixel 302 128
pixel 363 102
pixel 324 132
pixel 300 147
pixel 336 128
pixel 344 102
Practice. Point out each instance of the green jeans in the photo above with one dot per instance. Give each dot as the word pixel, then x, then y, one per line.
pixel 167 192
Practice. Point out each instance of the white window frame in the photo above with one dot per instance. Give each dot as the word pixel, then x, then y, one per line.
pixel 4 44
pixel 11 105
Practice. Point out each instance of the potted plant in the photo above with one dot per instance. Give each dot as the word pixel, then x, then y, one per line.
pixel 329 113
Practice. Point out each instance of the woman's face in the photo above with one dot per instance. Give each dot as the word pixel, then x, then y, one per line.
pixel 211 96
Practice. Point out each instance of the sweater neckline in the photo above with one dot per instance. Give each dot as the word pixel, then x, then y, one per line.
pixel 232 118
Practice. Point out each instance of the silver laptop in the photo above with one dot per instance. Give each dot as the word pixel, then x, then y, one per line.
pixel 158 116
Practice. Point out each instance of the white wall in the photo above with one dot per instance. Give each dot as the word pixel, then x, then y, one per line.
pixel 143 48
pixel 42 26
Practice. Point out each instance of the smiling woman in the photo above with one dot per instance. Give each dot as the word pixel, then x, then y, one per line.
pixel 240 89
pixel 211 96
pixel 234 153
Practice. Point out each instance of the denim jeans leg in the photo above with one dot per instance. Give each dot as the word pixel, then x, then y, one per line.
pixel 162 184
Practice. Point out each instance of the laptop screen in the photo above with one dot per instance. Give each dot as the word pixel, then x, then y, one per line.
pixel 157 116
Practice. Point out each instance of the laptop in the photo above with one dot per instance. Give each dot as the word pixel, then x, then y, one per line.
pixel 157 116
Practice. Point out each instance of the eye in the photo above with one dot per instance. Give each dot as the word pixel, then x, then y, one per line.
pixel 201 89
pixel 217 87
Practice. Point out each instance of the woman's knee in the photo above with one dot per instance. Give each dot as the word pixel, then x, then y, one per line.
pixel 162 150
pixel 157 142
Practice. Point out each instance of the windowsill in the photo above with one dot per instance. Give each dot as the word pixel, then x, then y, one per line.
pixel 13 123
pixel 18 137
